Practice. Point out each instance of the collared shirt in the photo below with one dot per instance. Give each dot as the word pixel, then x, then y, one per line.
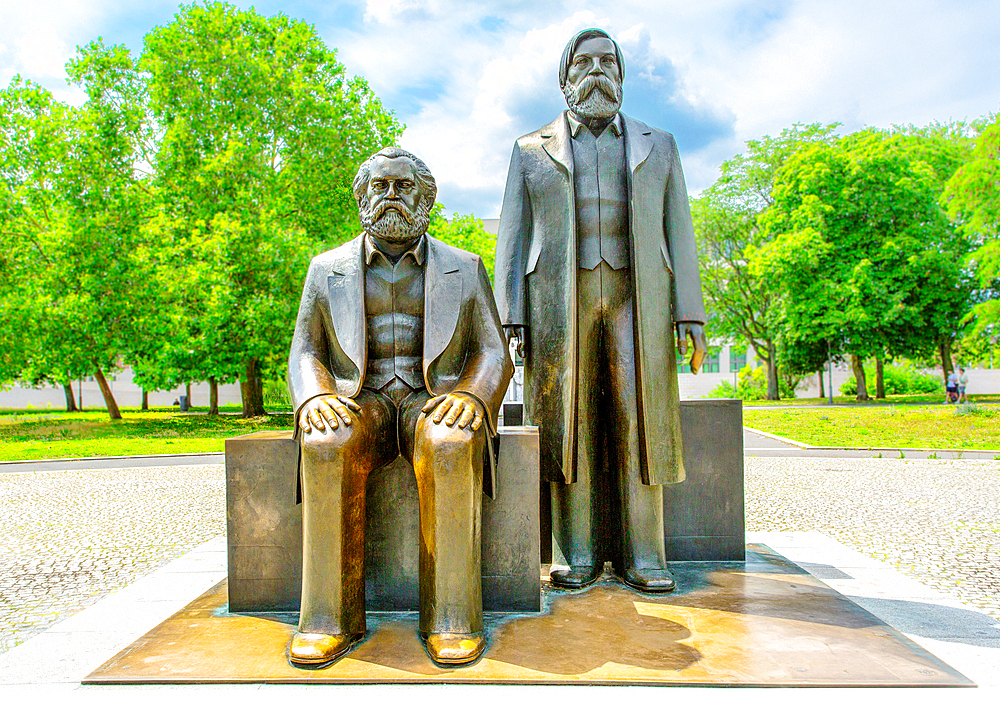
pixel 601 182
pixel 394 311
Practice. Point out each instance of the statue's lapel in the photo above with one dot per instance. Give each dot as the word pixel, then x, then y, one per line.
pixel 557 144
pixel 442 300
pixel 637 142
pixel 347 301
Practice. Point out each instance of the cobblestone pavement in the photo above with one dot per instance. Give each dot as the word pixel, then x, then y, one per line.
pixel 68 538
pixel 936 521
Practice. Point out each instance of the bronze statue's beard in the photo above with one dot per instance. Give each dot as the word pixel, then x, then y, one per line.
pixel 596 98
pixel 395 226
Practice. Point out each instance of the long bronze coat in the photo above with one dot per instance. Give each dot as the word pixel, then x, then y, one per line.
pixel 535 280
pixel 464 347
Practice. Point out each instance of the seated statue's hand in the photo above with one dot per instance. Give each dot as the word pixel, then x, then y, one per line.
pixel 323 411
pixel 454 407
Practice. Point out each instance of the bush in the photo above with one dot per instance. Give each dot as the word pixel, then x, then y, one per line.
pixel 752 385
pixel 901 378
pixel 722 390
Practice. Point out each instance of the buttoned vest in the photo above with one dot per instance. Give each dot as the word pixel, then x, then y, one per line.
pixel 601 184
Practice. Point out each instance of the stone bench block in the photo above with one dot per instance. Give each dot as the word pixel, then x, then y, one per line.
pixel 265 528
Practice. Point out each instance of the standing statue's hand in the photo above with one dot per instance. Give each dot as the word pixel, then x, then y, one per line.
pixel 323 411
pixel 696 331
pixel 456 407
pixel 520 333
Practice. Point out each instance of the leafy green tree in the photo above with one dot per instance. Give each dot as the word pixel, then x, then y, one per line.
pixel 742 304
pixel 863 251
pixel 31 144
pixel 262 135
pixel 972 199
pixel 465 232
pixel 73 206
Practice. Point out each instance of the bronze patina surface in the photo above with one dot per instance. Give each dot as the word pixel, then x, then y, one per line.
pixel 596 276
pixel 397 351
pixel 762 623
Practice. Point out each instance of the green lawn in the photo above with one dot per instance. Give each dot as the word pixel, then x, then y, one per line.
pixel 944 427
pixel 34 434
pixel 934 399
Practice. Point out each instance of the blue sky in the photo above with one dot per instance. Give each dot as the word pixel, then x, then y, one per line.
pixel 468 78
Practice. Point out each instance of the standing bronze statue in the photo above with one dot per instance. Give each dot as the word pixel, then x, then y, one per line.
pixel 596 269
pixel 397 349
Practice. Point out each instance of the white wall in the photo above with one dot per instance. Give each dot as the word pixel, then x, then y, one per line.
pixel 126 393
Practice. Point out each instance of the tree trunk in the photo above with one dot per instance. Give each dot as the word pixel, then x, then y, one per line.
pixel 213 396
pixel 145 400
pixel 879 379
pixel 822 390
pixel 944 348
pixel 70 400
pixel 109 399
pixel 187 392
pixel 252 390
pixel 773 392
pixel 857 365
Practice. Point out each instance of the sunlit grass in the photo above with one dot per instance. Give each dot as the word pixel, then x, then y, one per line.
pixel 36 434
pixel 944 427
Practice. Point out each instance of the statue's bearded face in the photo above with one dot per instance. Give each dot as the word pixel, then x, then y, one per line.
pixel 593 88
pixel 393 209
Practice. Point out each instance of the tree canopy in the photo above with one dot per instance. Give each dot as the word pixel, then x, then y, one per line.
pixel 813 242
pixel 972 199
pixel 743 301
pixel 866 258
pixel 168 222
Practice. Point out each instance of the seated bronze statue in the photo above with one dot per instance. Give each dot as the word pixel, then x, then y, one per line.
pixel 397 349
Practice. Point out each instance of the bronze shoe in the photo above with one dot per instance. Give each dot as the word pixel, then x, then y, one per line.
pixel 319 650
pixel 575 577
pixel 652 580
pixel 455 649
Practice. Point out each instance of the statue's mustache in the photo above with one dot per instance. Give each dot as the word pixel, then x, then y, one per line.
pixel 392 205
pixel 597 82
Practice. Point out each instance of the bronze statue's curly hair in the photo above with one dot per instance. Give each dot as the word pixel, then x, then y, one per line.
pixel 428 186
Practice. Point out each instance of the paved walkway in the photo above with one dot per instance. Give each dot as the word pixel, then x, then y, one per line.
pixel 70 538
pixel 938 521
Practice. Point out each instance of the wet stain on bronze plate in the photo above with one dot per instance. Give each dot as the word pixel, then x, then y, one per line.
pixel 763 623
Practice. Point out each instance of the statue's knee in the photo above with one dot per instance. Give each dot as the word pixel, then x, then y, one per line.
pixel 447 437
pixel 332 441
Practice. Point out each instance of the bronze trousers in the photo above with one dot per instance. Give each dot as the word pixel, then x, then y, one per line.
pixel 608 514
pixel 448 463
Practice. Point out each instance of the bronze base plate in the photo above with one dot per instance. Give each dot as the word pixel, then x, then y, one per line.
pixel 762 623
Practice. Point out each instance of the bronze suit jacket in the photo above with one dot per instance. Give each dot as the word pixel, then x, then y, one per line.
pixel 535 281
pixel 464 348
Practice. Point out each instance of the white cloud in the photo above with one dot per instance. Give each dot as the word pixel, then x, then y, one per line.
pixel 40 37
pixel 463 76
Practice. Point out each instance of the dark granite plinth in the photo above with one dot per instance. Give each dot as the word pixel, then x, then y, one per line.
pixel 265 528
pixel 704 516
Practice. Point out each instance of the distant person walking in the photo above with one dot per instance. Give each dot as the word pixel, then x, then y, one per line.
pixel 952 388
pixel 963 383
